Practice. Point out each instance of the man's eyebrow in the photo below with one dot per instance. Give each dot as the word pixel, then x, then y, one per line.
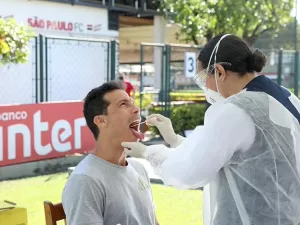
pixel 122 100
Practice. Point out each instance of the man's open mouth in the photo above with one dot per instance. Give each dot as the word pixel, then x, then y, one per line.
pixel 134 127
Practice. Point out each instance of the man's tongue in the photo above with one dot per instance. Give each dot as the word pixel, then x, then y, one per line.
pixel 137 134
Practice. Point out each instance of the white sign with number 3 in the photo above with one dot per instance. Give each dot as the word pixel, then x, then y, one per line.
pixel 190 64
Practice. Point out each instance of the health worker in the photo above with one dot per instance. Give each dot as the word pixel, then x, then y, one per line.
pixel 247 152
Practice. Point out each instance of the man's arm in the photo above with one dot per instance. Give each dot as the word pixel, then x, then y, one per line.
pixel 83 201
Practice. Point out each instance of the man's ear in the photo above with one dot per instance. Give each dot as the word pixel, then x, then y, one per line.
pixel 100 121
pixel 221 74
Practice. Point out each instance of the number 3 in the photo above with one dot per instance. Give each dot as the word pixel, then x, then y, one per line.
pixel 191 61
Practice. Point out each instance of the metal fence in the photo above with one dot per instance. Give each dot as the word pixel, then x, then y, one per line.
pixel 157 85
pixel 58 69
pixel 282 67
pixel 18 83
pixel 179 80
pixel 74 67
pixel 151 78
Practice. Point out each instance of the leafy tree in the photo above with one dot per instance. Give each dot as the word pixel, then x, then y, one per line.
pixel 206 18
pixel 285 38
pixel 14 39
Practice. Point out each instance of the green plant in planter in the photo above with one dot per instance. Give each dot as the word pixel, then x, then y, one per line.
pixel 14 40
pixel 183 117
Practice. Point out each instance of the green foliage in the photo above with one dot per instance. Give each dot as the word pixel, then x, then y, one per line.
pixel 147 100
pixel 183 117
pixel 285 38
pixel 14 39
pixel 175 96
pixel 248 19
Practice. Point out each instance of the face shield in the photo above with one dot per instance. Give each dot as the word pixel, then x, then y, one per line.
pixel 201 78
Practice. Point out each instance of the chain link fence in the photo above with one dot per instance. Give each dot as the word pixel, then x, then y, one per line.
pixel 74 67
pixel 283 68
pixel 151 80
pixel 58 69
pixel 18 82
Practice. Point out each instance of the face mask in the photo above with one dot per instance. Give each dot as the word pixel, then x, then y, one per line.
pixel 212 96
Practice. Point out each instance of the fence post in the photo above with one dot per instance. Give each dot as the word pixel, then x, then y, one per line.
pixel 46 69
pixel 36 70
pixel 141 75
pixel 279 69
pixel 167 80
pixel 41 40
pixel 162 94
pixel 114 59
pixel 296 75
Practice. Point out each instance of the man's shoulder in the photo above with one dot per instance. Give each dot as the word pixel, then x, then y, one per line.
pixel 89 169
pixel 137 165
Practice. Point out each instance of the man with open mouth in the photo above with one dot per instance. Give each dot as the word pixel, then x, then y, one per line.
pixel 106 188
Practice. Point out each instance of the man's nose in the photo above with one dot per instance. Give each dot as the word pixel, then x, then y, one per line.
pixel 136 109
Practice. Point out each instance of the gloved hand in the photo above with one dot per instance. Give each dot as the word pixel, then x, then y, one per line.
pixel 135 149
pixel 164 125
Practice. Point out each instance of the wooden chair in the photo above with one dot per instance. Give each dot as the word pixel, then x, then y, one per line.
pixel 54 213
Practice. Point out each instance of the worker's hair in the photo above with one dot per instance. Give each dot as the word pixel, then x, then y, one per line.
pixel 95 104
pixel 236 51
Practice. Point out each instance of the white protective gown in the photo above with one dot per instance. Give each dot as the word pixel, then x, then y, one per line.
pixel 248 151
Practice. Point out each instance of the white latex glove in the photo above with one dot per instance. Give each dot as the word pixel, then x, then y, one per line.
pixel 135 149
pixel 164 125
pixel 155 154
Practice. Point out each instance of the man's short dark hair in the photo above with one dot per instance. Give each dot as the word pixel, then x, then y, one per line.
pixel 95 104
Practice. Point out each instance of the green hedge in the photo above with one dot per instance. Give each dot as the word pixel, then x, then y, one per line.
pixel 187 95
pixel 183 117
pixel 175 96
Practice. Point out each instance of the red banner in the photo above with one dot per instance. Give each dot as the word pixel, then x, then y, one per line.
pixel 42 131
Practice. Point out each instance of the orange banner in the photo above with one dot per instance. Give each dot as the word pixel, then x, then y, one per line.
pixel 42 131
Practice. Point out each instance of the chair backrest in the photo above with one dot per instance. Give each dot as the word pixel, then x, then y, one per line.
pixel 54 213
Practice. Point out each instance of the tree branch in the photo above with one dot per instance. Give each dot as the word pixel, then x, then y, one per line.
pixel 253 38
pixel 195 40
pixel 255 30
pixel 208 35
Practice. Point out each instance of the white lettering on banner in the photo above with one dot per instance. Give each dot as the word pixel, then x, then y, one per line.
pixel 58 139
pixel 78 123
pixel 5 116
pixel 12 142
pixel 57 136
pixel 39 127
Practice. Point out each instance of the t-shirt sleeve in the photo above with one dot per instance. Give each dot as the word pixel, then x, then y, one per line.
pixel 83 201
